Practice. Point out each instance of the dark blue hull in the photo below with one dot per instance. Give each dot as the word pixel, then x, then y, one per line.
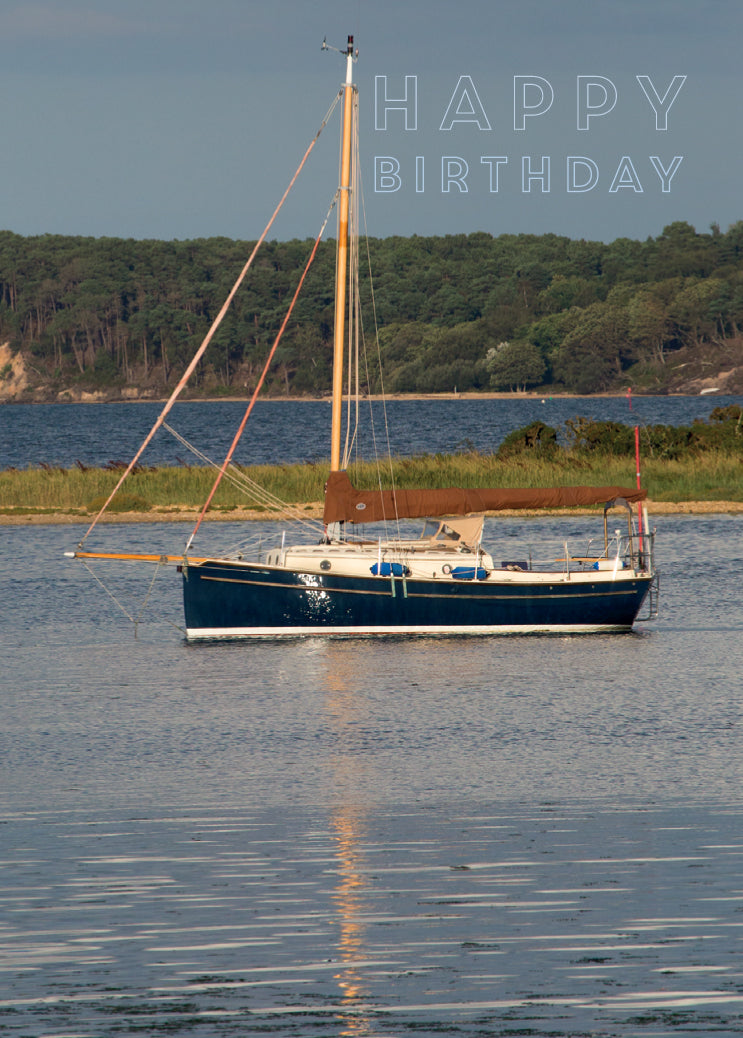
pixel 235 600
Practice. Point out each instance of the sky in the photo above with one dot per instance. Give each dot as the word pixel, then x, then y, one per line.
pixel 178 119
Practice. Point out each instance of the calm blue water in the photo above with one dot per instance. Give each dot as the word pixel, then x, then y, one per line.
pixel 61 434
pixel 470 837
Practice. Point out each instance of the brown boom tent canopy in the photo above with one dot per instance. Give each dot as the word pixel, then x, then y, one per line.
pixel 343 503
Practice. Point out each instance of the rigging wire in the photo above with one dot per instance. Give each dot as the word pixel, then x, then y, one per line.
pixel 262 378
pixel 108 591
pixel 212 330
pixel 380 369
pixel 247 486
pixel 356 340
pixel 146 598
pixel 119 605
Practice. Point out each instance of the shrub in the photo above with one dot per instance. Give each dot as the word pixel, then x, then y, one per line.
pixel 589 436
pixel 531 439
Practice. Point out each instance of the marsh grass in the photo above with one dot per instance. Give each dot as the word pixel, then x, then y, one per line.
pixel 170 487
pixel 711 476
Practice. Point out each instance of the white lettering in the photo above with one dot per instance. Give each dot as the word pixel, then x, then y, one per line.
pixel 454 170
pixel 600 88
pixel 583 173
pixel 541 175
pixel 661 105
pixel 386 174
pixel 408 103
pixel 465 107
pixel 626 176
pixel 532 95
pixel 493 161
pixel 666 175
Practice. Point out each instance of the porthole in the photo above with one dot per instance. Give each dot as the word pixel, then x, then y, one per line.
pixel 325 565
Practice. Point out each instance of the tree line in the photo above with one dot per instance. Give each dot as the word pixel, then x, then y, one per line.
pixel 466 312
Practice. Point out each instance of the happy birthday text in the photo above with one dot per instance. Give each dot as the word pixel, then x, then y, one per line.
pixel 596 97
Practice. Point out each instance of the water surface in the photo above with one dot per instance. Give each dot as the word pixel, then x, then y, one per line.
pixel 283 432
pixel 440 836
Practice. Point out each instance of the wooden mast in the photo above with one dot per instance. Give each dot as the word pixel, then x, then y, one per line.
pixel 342 265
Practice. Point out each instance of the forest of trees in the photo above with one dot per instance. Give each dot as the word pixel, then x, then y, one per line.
pixel 471 312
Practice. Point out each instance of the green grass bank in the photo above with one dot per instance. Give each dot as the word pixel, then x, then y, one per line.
pixel 714 476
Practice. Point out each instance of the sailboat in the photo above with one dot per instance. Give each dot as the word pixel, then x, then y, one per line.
pixel 438 581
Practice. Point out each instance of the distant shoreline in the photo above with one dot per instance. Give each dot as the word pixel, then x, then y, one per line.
pixel 90 398
pixel 246 515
